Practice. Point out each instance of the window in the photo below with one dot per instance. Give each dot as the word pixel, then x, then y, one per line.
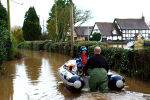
pixel 114 32
pixel 147 31
pixel 124 35
pixel 131 35
pixel 133 31
pixel 141 31
pixel 148 36
pixel 123 31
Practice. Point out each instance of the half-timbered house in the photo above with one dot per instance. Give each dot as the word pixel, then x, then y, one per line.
pixel 105 29
pixel 122 29
pixel 130 28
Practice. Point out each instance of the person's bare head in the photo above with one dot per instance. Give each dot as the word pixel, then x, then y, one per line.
pixel 97 50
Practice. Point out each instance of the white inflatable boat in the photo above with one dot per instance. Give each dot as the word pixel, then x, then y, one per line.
pixel 68 74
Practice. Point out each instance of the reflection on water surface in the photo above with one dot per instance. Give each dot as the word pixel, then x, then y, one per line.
pixel 35 78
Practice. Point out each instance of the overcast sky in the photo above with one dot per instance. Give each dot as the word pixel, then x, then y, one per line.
pixel 102 10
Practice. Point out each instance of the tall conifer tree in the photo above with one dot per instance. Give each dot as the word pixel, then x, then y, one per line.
pixel 31 26
pixel 5 43
pixel 3 17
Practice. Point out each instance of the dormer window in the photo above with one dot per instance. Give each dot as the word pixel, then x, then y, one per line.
pixel 114 32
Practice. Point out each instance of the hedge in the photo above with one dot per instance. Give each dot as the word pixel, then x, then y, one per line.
pixel 131 62
pixel 5 46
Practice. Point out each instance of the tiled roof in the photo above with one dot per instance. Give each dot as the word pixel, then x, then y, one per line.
pixel 83 30
pixel 132 24
pixel 105 28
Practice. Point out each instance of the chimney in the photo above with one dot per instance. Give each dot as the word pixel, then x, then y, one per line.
pixel 143 18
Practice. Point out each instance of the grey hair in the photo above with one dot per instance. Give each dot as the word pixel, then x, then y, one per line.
pixel 97 50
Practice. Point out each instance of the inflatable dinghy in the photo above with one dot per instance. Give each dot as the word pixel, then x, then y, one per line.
pixel 68 74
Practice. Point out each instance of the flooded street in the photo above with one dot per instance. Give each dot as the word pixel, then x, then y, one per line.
pixel 35 78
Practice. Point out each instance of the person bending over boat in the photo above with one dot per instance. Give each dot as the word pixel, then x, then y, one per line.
pixel 82 58
pixel 98 74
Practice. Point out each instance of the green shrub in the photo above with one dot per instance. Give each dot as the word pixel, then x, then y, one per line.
pixel 131 62
pixel 17 35
pixel 96 37
pixel 141 64
pixel 38 45
pixel 3 43
pixel 47 44
pixel 5 46
pixel 67 48
pixel 26 45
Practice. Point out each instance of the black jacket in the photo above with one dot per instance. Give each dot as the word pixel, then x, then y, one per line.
pixel 96 61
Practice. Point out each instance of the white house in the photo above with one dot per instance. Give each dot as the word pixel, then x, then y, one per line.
pixel 130 28
pixel 122 29
pixel 105 29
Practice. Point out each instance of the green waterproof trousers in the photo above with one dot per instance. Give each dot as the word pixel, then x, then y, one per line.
pixel 98 80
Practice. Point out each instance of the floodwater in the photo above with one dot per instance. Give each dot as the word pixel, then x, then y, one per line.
pixel 35 78
pixel 125 46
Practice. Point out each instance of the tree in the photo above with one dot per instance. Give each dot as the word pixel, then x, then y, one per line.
pixel 17 35
pixel 82 16
pixel 5 43
pixel 95 37
pixel 52 29
pixel 3 17
pixel 31 26
pixel 3 13
pixel 61 11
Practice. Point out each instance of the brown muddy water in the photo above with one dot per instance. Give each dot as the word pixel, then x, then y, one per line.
pixel 35 78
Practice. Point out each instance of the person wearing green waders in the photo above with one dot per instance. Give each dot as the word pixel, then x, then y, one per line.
pixel 98 72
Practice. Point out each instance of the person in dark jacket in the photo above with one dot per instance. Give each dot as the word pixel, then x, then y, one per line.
pixel 98 74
